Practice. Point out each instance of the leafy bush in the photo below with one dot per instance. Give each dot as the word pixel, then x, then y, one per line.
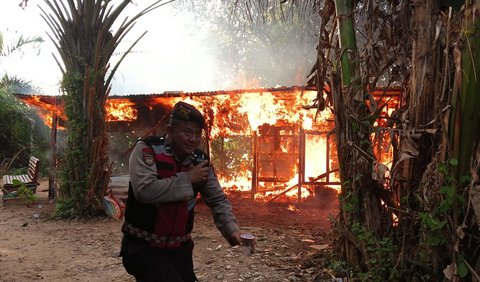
pixel 21 128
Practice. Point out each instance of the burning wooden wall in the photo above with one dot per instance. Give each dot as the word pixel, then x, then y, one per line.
pixel 263 142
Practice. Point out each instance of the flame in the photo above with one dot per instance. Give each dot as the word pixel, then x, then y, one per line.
pixel 45 109
pixel 291 207
pixel 120 110
pixel 383 138
pixel 233 114
pixel 116 109
pixel 240 182
pixel 277 119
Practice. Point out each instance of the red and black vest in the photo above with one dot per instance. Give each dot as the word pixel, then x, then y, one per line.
pixel 167 220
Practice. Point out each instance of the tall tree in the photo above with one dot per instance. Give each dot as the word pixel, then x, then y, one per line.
pixel 81 34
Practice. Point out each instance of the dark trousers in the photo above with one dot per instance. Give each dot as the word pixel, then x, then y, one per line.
pixel 149 264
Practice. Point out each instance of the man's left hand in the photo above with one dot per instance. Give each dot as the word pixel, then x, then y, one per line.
pixel 235 238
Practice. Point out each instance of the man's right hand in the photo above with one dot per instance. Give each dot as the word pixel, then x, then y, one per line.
pixel 199 173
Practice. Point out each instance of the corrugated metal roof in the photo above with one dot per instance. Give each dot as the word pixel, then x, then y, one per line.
pixel 166 94
pixel 212 93
pixel 183 94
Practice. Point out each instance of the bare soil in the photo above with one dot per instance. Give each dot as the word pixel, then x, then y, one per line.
pixel 34 246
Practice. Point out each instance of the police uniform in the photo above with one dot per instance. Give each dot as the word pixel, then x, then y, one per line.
pixel 159 214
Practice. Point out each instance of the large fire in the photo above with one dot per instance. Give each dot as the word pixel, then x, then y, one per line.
pixel 262 142
pixel 120 110
pixel 276 121
pixel 116 109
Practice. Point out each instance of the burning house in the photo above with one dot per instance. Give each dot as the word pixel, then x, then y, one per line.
pixel 265 143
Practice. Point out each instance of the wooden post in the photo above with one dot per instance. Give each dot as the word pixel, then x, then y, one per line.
pixel 301 162
pixel 222 156
pixel 327 156
pixel 255 171
pixel 52 187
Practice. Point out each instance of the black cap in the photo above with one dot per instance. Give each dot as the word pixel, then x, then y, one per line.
pixel 187 112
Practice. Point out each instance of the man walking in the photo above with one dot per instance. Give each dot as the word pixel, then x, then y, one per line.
pixel 166 174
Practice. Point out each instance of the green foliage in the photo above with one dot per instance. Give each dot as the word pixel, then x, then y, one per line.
pixel 65 208
pixel 434 229
pixel 338 267
pixel 20 127
pixel 450 191
pixel 381 255
pixel 25 192
pixel 22 191
pixel 437 224
pixel 73 173
pixel 72 81
pixel 462 270
pixel 18 85
pixel 349 200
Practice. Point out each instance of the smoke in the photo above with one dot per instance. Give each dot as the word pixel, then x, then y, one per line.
pixel 191 45
pixel 253 47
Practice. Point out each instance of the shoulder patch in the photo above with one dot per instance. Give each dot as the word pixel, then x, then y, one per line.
pixel 148 158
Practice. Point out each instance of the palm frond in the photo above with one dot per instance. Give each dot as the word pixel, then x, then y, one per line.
pixel 20 43
pixel 87 23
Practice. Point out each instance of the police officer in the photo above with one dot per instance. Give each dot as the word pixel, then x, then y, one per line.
pixel 165 177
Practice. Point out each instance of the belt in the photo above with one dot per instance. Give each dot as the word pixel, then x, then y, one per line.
pixel 153 238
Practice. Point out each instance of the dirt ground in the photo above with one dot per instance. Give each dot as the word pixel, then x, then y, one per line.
pixel 33 246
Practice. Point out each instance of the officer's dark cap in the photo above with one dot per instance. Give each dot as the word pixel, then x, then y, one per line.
pixel 187 112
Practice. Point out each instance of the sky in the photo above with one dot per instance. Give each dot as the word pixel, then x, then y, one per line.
pixel 170 57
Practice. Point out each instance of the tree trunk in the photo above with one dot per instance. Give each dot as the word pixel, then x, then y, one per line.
pixel 359 203
pixel 464 137
pixel 84 168
pixel 466 102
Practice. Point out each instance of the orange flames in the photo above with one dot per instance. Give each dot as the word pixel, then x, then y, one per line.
pixel 270 143
pixel 245 113
pixel 46 109
pixel 120 110
pixel 242 113
pixel 116 109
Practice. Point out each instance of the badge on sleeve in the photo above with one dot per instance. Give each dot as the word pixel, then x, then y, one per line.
pixel 148 158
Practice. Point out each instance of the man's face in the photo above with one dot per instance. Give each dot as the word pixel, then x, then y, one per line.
pixel 186 136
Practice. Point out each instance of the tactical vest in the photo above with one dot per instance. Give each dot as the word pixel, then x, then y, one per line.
pixel 170 223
